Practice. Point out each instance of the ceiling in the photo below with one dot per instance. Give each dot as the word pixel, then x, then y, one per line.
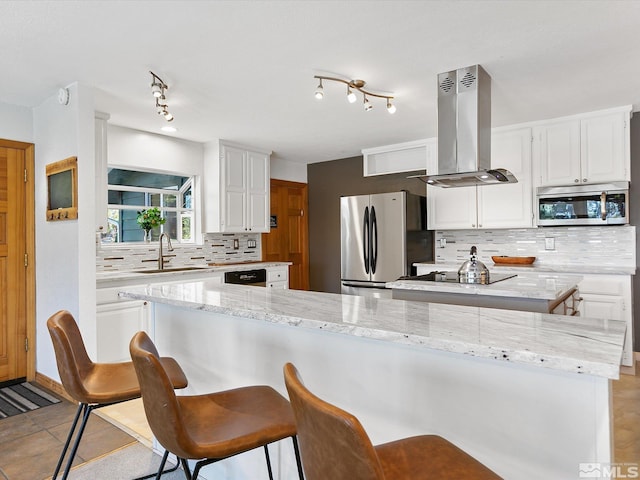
pixel 243 71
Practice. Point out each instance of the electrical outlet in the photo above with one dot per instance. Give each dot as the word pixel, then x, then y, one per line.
pixel 236 244
pixel 549 243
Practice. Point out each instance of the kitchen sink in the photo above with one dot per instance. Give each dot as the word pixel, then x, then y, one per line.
pixel 170 270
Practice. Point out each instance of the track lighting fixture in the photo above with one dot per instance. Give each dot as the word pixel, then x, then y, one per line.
pixel 158 88
pixel 351 96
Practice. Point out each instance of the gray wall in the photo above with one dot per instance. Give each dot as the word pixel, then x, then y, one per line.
pixel 634 217
pixel 328 181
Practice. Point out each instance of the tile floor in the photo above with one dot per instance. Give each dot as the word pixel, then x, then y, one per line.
pixel 30 443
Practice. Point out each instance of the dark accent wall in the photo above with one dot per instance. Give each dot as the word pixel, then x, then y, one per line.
pixel 634 218
pixel 328 181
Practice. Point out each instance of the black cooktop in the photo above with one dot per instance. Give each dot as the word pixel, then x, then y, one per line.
pixel 452 277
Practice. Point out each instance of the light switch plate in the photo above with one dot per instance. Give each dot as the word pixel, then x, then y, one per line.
pixel 549 243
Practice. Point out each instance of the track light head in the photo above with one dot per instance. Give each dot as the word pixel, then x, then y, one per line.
pixel 156 89
pixel 319 91
pixel 350 95
pixel 367 104
pixel 391 108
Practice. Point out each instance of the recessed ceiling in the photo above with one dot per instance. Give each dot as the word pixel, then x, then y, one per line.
pixel 243 71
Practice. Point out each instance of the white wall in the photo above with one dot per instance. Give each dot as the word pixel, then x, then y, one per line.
pixel 16 123
pixel 65 253
pixel 287 170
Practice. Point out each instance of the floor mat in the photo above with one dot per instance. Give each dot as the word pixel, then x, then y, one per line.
pixel 23 397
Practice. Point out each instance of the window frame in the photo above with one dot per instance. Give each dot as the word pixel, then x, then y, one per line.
pixel 180 211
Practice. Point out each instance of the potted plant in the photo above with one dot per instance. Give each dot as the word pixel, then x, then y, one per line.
pixel 149 219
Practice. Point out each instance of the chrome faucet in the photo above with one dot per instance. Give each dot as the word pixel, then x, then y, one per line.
pixel 160 254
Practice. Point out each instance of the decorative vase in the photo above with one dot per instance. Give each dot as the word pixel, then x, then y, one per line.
pixel 147 236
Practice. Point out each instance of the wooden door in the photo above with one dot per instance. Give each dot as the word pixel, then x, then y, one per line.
pixel 14 290
pixel 288 241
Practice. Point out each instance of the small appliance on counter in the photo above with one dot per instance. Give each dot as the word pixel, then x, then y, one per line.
pixel 471 271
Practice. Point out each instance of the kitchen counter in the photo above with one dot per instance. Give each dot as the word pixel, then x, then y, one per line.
pixel 404 368
pixel 540 268
pixel 122 277
pixel 586 345
pixel 529 292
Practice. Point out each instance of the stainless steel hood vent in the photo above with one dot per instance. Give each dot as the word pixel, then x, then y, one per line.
pixel 464 131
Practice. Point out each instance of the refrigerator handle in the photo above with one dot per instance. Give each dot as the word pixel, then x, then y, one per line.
pixel 365 239
pixel 374 240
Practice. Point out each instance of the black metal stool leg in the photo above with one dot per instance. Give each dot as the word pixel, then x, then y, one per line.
pixel 66 444
pixel 74 449
pixel 298 461
pixel 266 454
pixel 187 471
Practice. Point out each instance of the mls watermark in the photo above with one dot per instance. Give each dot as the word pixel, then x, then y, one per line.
pixel 609 470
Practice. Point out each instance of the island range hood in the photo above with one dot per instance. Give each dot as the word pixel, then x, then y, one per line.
pixel 464 131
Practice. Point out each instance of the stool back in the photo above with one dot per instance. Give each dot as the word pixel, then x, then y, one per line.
pixel 161 406
pixel 333 443
pixel 72 359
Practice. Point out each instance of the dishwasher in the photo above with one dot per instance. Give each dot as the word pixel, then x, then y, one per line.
pixel 254 278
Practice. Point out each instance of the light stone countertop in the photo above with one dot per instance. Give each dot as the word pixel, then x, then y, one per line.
pixel 579 269
pixel 531 285
pixel 570 344
pixel 202 270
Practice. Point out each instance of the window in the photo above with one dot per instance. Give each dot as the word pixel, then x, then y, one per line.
pixel 130 191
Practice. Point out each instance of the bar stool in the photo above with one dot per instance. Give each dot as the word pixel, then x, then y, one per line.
pixel 213 426
pixel 334 445
pixel 94 385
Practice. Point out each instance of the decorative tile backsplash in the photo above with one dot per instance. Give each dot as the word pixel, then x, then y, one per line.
pixel 603 246
pixel 217 248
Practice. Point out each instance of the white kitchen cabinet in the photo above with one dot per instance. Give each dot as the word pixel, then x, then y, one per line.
pixel 278 277
pixel 609 297
pixel 398 158
pixel 588 149
pixel 236 186
pixel 490 206
pixel 116 322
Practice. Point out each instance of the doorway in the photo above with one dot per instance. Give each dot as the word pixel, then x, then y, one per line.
pixel 288 239
pixel 17 272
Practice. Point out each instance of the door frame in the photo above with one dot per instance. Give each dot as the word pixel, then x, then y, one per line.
pixel 30 250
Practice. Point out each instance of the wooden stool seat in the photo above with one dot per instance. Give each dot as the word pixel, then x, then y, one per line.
pixel 334 445
pixel 209 427
pixel 93 385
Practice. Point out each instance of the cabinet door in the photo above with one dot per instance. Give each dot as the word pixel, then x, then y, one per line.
pixel 559 153
pixel 451 208
pixel 234 186
pixel 258 192
pixel 116 323
pixel 508 206
pixel 603 149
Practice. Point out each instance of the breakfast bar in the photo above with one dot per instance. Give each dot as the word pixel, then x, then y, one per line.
pixel 527 394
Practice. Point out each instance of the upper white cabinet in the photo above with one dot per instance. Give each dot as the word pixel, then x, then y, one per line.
pixel 490 206
pixel 585 149
pixel 398 158
pixel 236 189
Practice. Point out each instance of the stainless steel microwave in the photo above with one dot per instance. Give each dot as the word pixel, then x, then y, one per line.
pixel 604 204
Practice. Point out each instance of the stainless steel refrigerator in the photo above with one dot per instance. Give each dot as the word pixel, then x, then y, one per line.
pixel 382 235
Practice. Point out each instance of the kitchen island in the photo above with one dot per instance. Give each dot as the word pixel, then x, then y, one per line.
pixel 528 394
pixel 544 293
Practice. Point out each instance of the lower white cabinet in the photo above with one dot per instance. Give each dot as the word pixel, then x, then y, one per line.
pixel 609 297
pixel 116 322
pixel 278 277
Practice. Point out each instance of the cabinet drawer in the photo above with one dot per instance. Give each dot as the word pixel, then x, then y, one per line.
pixel 604 285
pixel 278 274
